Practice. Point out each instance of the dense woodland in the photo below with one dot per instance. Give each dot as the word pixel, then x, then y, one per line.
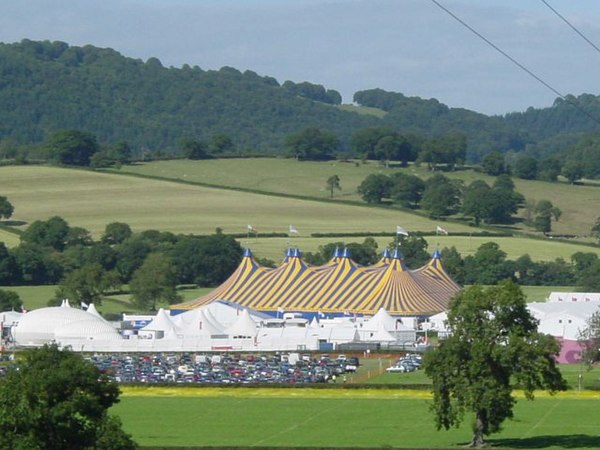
pixel 50 86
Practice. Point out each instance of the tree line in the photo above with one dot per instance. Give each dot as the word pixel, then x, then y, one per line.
pixel 153 263
pixel 441 196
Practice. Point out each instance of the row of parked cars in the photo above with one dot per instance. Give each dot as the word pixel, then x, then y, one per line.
pixel 223 369
pixel 408 363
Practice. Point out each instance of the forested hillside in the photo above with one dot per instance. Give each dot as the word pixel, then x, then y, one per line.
pixel 48 86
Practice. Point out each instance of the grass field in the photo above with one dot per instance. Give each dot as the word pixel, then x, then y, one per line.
pixel 538 249
pixel 308 178
pixel 375 418
pixel 92 200
pixel 9 239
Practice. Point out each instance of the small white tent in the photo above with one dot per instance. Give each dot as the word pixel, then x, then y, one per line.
pixel 243 328
pixel 160 327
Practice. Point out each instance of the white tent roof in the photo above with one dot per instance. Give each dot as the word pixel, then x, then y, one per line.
pixel 381 319
pixel 161 322
pixel 381 335
pixel 196 322
pixel 583 310
pixel 314 323
pixel 86 329
pixel 39 326
pixel 91 309
pixel 244 326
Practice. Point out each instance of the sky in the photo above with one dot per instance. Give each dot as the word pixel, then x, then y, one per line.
pixel 409 46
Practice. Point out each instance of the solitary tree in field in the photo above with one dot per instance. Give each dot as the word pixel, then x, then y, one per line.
pixel 545 212
pixel 57 400
pixel 494 347
pixel 333 182
pixel 6 209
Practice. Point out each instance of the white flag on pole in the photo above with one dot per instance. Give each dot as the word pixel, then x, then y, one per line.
pixel 293 229
pixel 440 230
pixel 400 230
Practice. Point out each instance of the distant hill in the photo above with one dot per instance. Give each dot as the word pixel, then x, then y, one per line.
pixel 46 86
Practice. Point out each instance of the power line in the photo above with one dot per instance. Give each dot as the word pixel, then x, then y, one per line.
pixel 570 25
pixel 514 61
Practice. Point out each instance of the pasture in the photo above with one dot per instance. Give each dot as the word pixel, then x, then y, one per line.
pixel 9 239
pixel 92 200
pixel 514 247
pixel 288 176
pixel 374 418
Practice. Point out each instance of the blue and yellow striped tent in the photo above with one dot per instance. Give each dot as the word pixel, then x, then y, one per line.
pixel 339 286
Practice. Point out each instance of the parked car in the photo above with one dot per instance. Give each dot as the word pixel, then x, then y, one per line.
pixel 352 364
pixel 399 368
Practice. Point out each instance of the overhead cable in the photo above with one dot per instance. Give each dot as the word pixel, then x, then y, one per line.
pixel 514 61
pixel 571 25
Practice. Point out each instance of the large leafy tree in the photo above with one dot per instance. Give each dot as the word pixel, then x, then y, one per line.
pixel 57 400
pixel 9 270
pixel 441 196
pixel 407 190
pixel 116 233
pixel 488 265
pixel 493 163
pixel 589 340
pixel 545 212
pixel 10 300
pixel 206 261
pixel 312 144
pixel 48 233
pixel 194 148
pixel 6 208
pixel 154 282
pixel 526 167
pixel 494 347
pixel 589 278
pixel 493 205
pixel 71 147
pixel 375 187
pixel 478 201
pixel 88 284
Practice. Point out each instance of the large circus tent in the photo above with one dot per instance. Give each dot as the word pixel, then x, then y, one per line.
pixel 340 286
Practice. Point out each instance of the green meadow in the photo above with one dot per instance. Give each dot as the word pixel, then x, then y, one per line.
pixel 9 239
pixel 288 176
pixel 538 249
pixel 337 418
pixel 93 199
